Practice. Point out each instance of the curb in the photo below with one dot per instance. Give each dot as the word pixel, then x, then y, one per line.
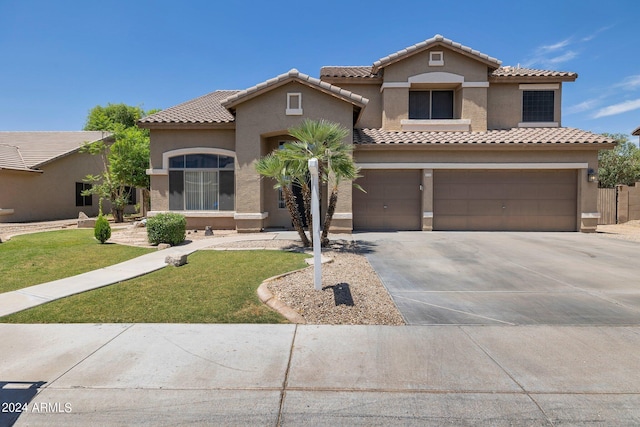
pixel 267 298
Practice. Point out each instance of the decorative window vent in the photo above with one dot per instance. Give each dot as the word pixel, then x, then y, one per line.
pixel 436 59
pixel 294 104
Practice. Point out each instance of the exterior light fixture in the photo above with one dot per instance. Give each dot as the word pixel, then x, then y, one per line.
pixel 592 176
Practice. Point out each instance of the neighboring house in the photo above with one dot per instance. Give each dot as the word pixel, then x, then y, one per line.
pixel 636 132
pixel 446 139
pixel 41 175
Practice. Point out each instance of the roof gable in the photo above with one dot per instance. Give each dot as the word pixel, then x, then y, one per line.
pixel 294 75
pixel 27 151
pixel 434 41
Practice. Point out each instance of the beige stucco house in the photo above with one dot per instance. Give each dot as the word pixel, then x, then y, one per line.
pixel 42 173
pixel 446 139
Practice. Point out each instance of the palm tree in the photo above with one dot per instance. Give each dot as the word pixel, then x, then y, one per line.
pixel 323 140
pixel 274 166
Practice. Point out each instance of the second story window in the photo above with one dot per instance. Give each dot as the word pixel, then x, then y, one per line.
pixel 537 106
pixel 430 104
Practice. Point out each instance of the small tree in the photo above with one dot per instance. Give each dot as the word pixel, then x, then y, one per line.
pixel 620 165
pixel 125 161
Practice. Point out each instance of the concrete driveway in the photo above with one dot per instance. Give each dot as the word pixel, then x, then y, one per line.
pixel 497 278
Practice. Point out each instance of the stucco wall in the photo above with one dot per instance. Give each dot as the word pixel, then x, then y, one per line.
pixel 504 106
pixel 372 115
pixel 260 118
pixel 471 69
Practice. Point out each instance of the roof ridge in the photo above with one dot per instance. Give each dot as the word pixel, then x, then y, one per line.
pixel 418 47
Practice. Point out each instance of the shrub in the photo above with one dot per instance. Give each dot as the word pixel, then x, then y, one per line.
pixel 102 229
pixel 166 228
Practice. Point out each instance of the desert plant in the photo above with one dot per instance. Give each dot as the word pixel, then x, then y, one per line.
pixel 166 228
pixel 102 229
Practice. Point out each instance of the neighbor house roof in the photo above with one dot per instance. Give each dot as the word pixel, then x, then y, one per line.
pixel 531 136
pixel 27 151
pixel 436 40
pixel 205 109
pixel 294 75
pixel 636 132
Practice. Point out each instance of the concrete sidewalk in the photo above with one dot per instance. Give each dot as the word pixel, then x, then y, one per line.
pixel 167 374
pixel 22 299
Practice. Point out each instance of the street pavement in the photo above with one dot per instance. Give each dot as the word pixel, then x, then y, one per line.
pixel 167 374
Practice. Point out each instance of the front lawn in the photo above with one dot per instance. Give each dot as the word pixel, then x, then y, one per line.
pixel 31 259
pixel 214 287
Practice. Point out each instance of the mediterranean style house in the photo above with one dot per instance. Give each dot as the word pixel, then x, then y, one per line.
pixel 446 139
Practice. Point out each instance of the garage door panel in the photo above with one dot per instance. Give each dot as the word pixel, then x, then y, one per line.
pixel 393 200
pixel 505 200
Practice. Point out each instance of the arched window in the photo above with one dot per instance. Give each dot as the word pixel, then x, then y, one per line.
pixel 201 182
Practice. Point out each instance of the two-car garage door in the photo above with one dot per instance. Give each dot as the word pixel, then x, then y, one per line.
pixel 498 200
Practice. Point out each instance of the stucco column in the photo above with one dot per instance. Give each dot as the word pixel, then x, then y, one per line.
pixel 427 199
pixel 249 214
pixel 474 107
pixel 588 201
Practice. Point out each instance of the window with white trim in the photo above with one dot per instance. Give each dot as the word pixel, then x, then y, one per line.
pixel 430 104
pixel 294 104
pixel 202 182
pixel 538 105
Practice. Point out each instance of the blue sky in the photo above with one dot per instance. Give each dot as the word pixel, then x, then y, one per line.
pixel 58 59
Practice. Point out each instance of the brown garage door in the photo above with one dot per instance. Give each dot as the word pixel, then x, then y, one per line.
pixel 505 200
pixel 392 200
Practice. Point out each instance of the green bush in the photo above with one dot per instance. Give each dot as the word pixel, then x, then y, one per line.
pixel 167 228
pixel 102 229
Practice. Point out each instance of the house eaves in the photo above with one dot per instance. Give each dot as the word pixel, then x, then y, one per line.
pixel 437 40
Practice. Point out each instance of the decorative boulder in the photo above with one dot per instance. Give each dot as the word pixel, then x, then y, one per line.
pixel 85 222
pixel 208 231
pixel 176 260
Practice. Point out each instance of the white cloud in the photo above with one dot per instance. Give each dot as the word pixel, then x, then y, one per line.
pixel 582 107
pixel 620 108
pixel 629 82
pixel 554 47
pixel 595 33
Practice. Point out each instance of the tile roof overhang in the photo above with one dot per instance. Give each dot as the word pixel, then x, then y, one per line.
pixel 434 41
pixel 520 75
pixel 636 132
pixel 504 137
pixel 204 111
pixel 28 151
pixel 294 75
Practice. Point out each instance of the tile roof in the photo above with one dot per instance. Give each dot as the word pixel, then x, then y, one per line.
pixel 506 136
pixel 205 109
pixel 294 74
pixel 433 41
pixel 636 132
pixel 530 72
pixel 29 150
pixel 357 71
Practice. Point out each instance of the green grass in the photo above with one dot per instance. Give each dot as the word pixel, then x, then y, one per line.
pixel 214 287
pixel 31 259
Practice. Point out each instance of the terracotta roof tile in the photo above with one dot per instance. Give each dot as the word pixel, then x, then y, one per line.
pixel 294 74
pixel 205 109
pixel 357 71
pixel 530 72
pixel 29 150
pixel 435 40
pixel 506 136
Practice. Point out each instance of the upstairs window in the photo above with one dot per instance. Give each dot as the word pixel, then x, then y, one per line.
pixel 294 104
pixel 430 104
pixel 537 106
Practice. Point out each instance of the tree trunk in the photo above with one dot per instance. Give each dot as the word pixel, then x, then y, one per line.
pixel 295 215
pixel 333 201
pixel 118 214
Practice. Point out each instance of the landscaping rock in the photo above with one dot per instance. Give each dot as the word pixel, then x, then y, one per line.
pixel 162 246
pixel 208 231
pixel 176 260
pixel 85 222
